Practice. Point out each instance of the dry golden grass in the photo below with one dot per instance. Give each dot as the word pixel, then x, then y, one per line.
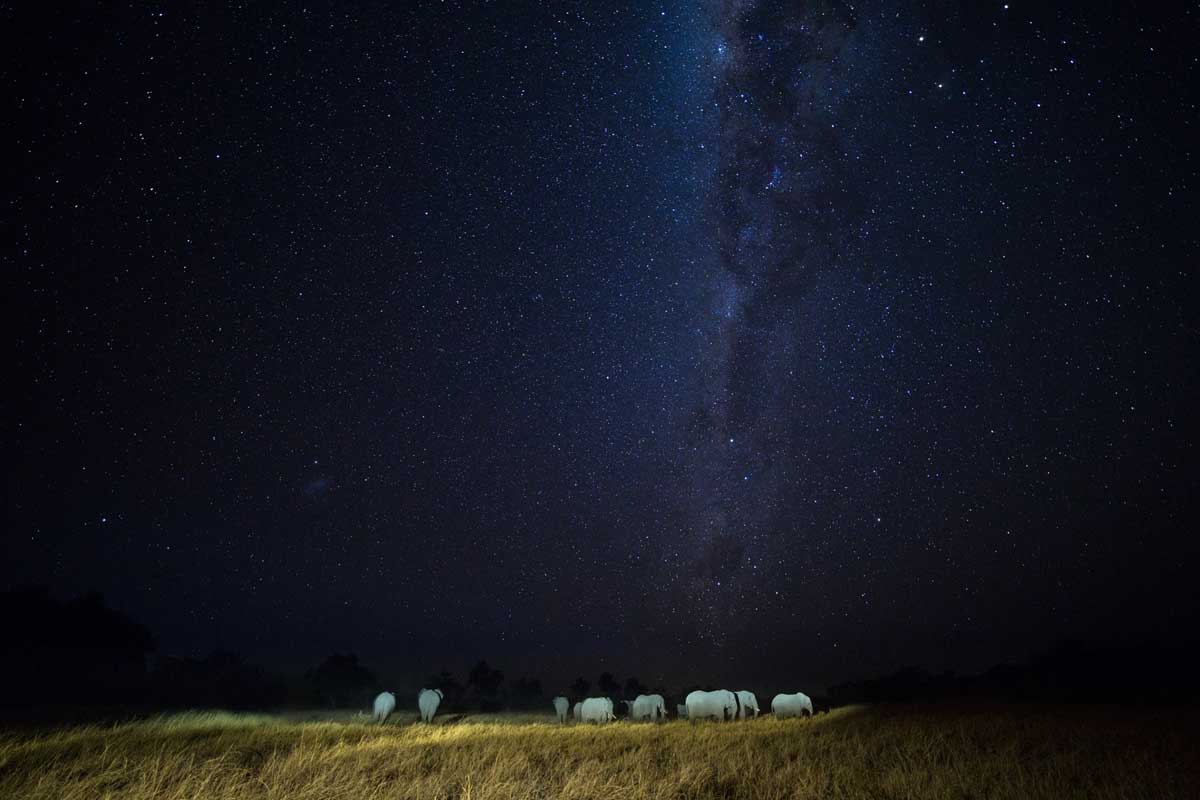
pixel 849 753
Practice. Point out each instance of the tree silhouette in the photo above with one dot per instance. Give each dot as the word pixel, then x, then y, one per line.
pixel 485 682
pixel 634 687
pixel 341 681
pixel 608 685
pixel 527 691
pixel 96 651
pixel 580 687
pixel 221 680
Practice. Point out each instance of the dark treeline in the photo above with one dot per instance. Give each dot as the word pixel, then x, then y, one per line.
pixel 1070 672
pixel 83 654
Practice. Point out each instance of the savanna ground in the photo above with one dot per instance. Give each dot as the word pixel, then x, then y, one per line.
pixel 854 752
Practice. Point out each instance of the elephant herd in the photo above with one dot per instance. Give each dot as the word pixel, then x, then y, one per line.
pixel 428 701
pixel 721 705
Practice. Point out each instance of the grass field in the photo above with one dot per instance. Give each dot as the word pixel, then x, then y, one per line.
pixel 855 752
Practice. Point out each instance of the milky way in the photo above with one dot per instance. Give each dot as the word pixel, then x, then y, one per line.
pixel 683 340
pixel 777 225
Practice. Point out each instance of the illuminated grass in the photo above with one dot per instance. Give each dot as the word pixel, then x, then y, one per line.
pixel 849 753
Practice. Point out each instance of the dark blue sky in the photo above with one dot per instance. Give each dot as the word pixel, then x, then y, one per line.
pixel 746 339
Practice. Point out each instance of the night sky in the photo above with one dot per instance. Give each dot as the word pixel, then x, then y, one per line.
pixel 706 341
